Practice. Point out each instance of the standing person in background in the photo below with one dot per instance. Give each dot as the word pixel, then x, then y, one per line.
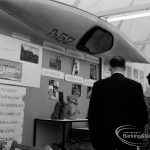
pixel 147 101
pixel 115 101
pixel 147 96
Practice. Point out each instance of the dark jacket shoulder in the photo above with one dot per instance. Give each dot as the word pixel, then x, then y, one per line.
pixel 118 77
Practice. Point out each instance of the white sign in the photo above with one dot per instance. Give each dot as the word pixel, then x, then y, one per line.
pixel 75 54
pixel 21 36
pixel 91 58
pixel 12 90
pixel 73 78
pixel 52 73
pixel 88 82
pixel 53 47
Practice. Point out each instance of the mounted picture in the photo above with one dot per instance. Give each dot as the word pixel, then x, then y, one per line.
pixel 129 72
pixel 76 89
pixel 135 74
pixel 29 54
pixel 55 62
pixel 53 89
pixel 76 67
pixel 93 72
pixel 141 76
pixel 105 68
pixel 10 70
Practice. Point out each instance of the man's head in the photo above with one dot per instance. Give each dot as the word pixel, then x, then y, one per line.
pixel 117 63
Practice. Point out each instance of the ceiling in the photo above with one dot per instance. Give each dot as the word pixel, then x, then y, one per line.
pixel 138 30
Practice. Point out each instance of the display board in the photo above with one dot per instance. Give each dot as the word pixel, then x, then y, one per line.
pixel 72 71
pixel 44 76
pixel 20 62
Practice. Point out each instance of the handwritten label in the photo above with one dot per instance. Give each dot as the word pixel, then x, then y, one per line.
pixel 73 78
pixel 92 59
pixel 52 73
pixel 53 47
pixel 88 82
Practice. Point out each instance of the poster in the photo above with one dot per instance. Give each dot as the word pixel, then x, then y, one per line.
pixel 76 89
pixel 55 62
pixel 93 72
pixel 29 54
pixel 53 89
pixel 10 70
pixel 89 92
pixel 11 113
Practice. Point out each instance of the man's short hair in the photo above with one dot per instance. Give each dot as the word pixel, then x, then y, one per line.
pixel 117 61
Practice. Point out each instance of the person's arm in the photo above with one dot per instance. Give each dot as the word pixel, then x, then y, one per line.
pixel 141 108
pixel 92 121
pixel 92 103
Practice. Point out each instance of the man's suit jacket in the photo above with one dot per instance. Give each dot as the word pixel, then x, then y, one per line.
pixel 115 101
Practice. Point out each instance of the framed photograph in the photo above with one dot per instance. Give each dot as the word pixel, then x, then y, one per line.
pixel 135 74
pixel 93 72
pixel 29 54
pixel 55 62
pixel 129 72
pixel 53 89
pixel 76 89
pixel 105 68
pixel 10 70
pixel 141 76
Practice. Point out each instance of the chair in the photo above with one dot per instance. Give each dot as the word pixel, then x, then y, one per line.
pixel 15 145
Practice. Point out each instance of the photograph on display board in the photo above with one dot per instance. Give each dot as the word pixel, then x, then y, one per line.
pixel 76 67
pixel 53 89
pixel 105 68
pixel 76 89
pixel 29 54
pixel 141 77
pixel 89 92
pixel 93 72
pixel 129 72
pixel 10 70
pixel 55 62
pixel 135 74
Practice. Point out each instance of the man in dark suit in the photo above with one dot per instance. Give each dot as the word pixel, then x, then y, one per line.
pixel 116 101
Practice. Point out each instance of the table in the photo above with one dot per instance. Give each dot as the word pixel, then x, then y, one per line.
pixel 64 122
